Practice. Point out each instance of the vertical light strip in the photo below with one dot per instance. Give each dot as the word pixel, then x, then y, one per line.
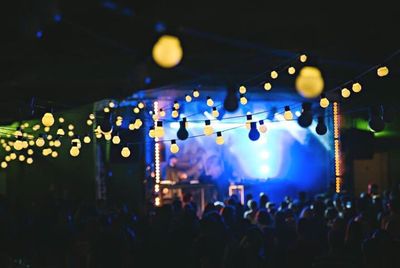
pixel 336 136
pixel 156 162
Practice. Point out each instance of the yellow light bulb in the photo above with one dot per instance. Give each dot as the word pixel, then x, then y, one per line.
pixel 303 58
pixel 54 154
pixel 18 145
pixel 7 158
pixel 87 139
pixel 188 98
pixel 167 51
pixel 262 128
pixel 136 110
pixel 49 137
pixel 141 105
pixel 29 160
pixel 210 102
pixel 46 129
pixel 158 132
pixel 46 151
pixel 4 164
pixel 274 74
pixel 61 120
pixel 74 151
pixel 107 136
pixel 131 126
pixel 291 70
pixel 118 123
pixel 324 102
pixel 116 139
pixel 21 158
pixel 309 83
pixel 51 143
pixel 106 109
pixel 155 117
pixel 151 133
pixel 31 143
pixel 356 87
pixel 287 114
pixel 242 89
pixel 98 135
pixel 48 119
pixel 57 143
pixel 71 133
pixel 138 123
pixel 60 132
pixel 40 142
pixel 13 156
pixel 267 86
pixel 208 130
pixel 89 122
pixel 196 93
pixel 30 152
pixel 7 148
pixel 111 104
pixel 125 152
pixel 174 147
pixel 176 105
pixel 345 93
pixel 162 113
pixel 215 112
pixel 382 71
pixel 175 114
pixel 71 127
pixel 243 100
pixel 219 140
pixel 91 116
pixel 36 127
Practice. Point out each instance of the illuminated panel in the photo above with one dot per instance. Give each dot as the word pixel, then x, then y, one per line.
pixel 156 161
pixel 336 136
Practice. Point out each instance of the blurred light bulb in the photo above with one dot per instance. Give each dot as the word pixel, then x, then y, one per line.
pixel 74 151
pixel 188 98
pixel 356 87
pixel 48 119
pixel 174 147
pixel 291 70
pixel 210 102
pixel 242 89
pixel 345 93
pixel 287 114
pixel 303 58
pixel 196 93
pixel 382 71
pixel 125 152
pixel 262 127
pixel 324 102
pixel 208 130
pixel 274 74
pixel 215 112
pixel 219 140
pixel 267 86
pixel 116 139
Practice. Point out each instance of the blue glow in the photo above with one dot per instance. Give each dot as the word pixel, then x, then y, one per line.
pixel 109 5
pixel 160 27
pixel 39 34
pixel 57 17
pixel 127 12
pixel 147 80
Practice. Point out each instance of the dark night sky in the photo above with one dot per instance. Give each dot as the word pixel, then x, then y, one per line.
pixel 102 49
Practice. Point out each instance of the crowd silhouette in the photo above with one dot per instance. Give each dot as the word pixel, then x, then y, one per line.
pixel 326 230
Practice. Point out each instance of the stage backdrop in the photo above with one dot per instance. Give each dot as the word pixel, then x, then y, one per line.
pixel 286 159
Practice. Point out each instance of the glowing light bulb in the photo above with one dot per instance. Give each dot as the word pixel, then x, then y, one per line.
pixel 30 152
pixel 71 133
pixel 46 151
pixel 174 113
pixel 309 83
pixel 4 164
pixel 155 117
pixel 18 145
pixel 196 93
pixel 116 140
pixel 21 158
pixel 13 156
pixel 210 102
pixel 208 130
pixel 31 143
pixel 29 160
pixel 176 105
pixel 107 136
pixel 51 143
pixel 159 130
pixel 303 58
pixel 87 139
pixel 91 116
pixel 382 71
pixel 188 98
pixel 40 141
pixel 48 119
pixel 174 147
pixel 243 100
pixel 111 104
pixel 219 140
pixel 46 129
pixel 136 110
pixel 89 122
pixel 287 114
pixel 131 126
pixel 98 135
pixel 141 105
pixel 267 86
pixel 151 133
pixel 118 123
pixel 262 128
pixel 61 120
pixel 324 102
pixel 74 151
pixel 242 89
pixel 7 158
pixel 345 92
pixel 215 112
pixel 106 109
pixel 161 113
pixel 49 137
pixel 54 154
pixel 138 123
pixel 291 70
pixel 356 87
pixel 60 131
pixel 274 74
pixel 167 51
pixel 125 152
pixel 36 127
pixel 71 127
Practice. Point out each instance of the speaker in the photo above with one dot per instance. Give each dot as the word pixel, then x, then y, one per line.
pixel 358 144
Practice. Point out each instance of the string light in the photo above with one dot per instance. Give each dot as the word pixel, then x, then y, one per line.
pixel 141 105
pixel 161 113
pixel 254 134
pixel 210 102
pixel 107 136
pixel 60 131
pixel 167 51
pixel 46 151
pixel 208 130
pixel 91 116
pixel 74 151
pixel 119 121
pixel 106 109
pixel 267 86
pixel 176 105
pixel 324 102
pixel 159 130
pixel 345 92
pixel 242 89
pixel 219 140
pixel 116 139
pixel 215 112
pixel 61 120
pixel 182 133
pixel 151 132
pixel 174 113
pixel 243 99
pixel 356 87
pixel 89 122
pixel 7 158
pixel 136 110
pixel 29 160
pixel 21 158
pixel 40 141
pixel 174 148
pixel 4 164
pixel 71 127
pixel 111 104
pixel 71 133
pixel 262 128
pixel 87 139
pixel 30 152
pixel 196 93
pixel 46 129
pixel 54 154
pixel 13 156
pixel 382 71
pixel 125 152
pixel 131 125
pixel 288 114
pixel 291 70
pixel 303 58
pixel 274 74
pixel 309 83
pixel 48 119
pixel 321 128
pixel 188 98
